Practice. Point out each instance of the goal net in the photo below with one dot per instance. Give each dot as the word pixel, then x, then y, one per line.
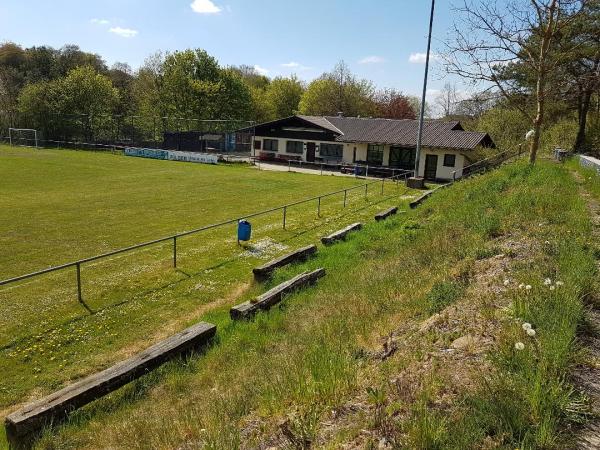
pixel 23 137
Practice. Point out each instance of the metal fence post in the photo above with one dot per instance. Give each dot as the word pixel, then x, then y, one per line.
pixel 367 172
pixel 319 207
pixel 366 190
pixel 79 296
pixel 284 215
pixel 321 168
pixel 174 251
pixel 345 195
pixel 289 165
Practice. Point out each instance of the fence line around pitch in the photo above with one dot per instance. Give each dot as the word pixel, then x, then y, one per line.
pixel 284 208
pixel 329 166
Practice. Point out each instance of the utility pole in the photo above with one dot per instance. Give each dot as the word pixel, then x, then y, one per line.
pixel 422 111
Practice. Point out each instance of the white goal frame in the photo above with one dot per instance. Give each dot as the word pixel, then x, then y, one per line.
pixel 12 130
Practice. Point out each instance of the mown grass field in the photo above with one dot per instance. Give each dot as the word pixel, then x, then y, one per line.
pixel 58 206
pixel 312 374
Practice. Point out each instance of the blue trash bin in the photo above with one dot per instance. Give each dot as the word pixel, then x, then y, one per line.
pixel 244 230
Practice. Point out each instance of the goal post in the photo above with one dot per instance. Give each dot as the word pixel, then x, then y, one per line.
pixel 23 137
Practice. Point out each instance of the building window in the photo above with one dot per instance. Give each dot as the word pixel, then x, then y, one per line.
pixel 402 158
pixel 294 146
pixel 257 145
pixel 331 151
pixel 449 160
pixel 375 154
pixel 271 145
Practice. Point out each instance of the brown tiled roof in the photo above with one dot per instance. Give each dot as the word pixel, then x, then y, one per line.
pixel 436 133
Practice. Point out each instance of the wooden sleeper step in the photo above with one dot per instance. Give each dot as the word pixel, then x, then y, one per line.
pixel 341 234
pixel 21 424
pixel 385 214
pixel 273 296
pixel 266 270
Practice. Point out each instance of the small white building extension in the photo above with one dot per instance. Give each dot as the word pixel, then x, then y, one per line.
pixel 446 146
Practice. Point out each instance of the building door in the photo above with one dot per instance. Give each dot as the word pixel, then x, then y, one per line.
pixel 431 166
pixel 310 151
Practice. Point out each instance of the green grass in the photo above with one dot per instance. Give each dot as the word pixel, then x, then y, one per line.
pixel 63 205
pixel 301 361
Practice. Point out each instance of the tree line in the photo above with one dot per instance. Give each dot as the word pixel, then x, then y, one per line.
pixel 66 92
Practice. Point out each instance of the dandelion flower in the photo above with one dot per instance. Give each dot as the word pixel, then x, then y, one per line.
pixel 530 332
pixel 519 346
pixel 506 282
pixel 547 281
pixel 559 283
pixel 552 288
pixel 528 287
pixel 526 326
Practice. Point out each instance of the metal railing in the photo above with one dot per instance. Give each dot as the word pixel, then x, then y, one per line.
pixel 487 163
pixel 173 238
pixel 355 169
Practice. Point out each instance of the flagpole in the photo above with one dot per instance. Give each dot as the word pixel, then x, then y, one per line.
pixel 422 111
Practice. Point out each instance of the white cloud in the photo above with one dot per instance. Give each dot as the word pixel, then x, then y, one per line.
pixel 419 58
pixel 123 32
pixel 261 70
pixel 100 21
pixel 205 7
pixel 372 60
pixel 295 65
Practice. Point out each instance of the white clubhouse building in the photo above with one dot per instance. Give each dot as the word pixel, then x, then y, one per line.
pixel 446 146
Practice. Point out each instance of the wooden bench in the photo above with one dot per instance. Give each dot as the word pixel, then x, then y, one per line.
pixel 266 270
pixel 385 214
pixel 273 296
pixel 341 234
pixel 22 424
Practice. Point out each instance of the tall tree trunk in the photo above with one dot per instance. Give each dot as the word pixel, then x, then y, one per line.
pixel 582 120
pixel 540 91
pixel 539 117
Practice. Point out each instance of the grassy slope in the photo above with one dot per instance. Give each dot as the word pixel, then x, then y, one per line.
pixel 62 205
pixel 310 357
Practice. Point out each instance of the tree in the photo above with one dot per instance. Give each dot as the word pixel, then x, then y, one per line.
pixel 392 104
pixel 82 101
pixel 491 37
pixel 121 76
pixel 475 105
pixel 192 85
pixel 70 57
pixel 320 98
pixel 581 71
pixel 339 91
pixel 12 79
pixel 257 84
pixel 284 95
pixel 447 100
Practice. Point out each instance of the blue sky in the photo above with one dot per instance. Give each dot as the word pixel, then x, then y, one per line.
pixel 376 38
